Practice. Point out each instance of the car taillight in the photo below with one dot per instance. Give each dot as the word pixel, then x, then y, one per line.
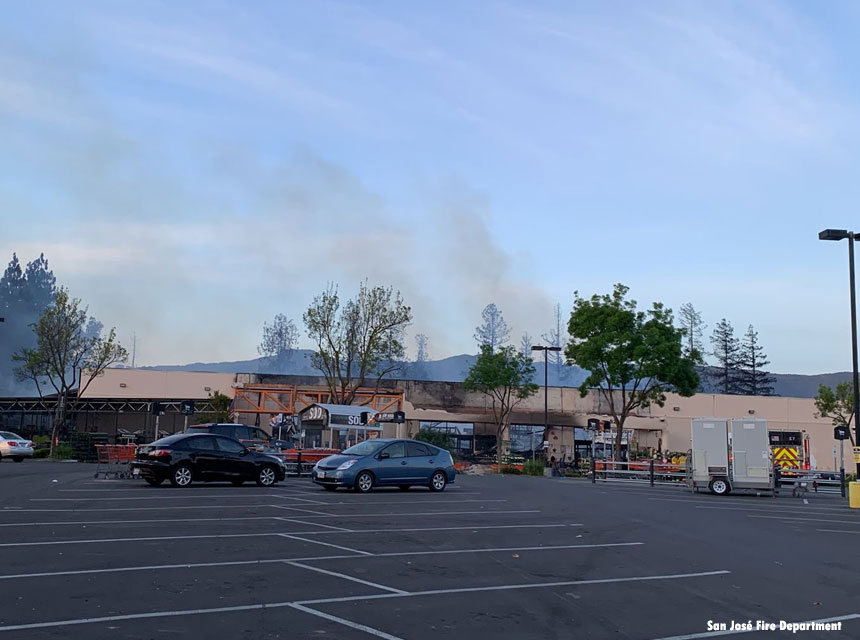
pixel 12 443
pixel 158 453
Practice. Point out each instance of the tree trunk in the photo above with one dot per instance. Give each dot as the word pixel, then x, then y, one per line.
pixel 499 431
pixel 618 438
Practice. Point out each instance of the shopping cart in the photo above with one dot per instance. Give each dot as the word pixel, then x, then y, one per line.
pixel 113 460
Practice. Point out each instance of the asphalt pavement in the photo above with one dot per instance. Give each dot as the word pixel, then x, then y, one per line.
pixel 497 556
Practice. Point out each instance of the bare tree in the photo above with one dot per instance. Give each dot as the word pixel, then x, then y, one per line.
pixel 494 331
pixel 279 341
pixel 421 342
pixel 556 338
pixel 526 345
pixel 65 357
pixel 361 340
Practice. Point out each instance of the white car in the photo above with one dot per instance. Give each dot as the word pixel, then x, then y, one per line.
pixel 14 446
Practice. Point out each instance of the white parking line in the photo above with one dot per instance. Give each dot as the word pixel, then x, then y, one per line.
pixel 182 497
pixel 712 634
pixel 151 520
pixel 198 506
pixel 763 507
pixel 836 531
pixel 346 577
pixel 264 534
pixel 416 513
pixel 325 544
pixel 299 509
pixel 352 556
pixel 347 623
pixel 254 607
pixel 299 499
pixel 804 519
pixel 314 524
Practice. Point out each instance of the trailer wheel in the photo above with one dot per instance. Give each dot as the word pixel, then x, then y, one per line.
pixel 719 486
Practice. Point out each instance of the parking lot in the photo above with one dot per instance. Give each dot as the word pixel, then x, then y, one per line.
pixel 504 557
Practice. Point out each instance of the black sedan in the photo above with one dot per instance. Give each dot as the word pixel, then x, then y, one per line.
pixel 186 457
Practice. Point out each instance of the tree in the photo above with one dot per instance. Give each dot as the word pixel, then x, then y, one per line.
pixel 754 381
pixel 838 405
pixel 505 376
pixel 279 341
pixel 422 353
pixel 634 357
pixel 363 339
pixel 221 405
pixel 726 375
pixel 690 321
pixel 555 338
pixel 494 331
pixel 24 294
pixel 64 357
pixel 526 345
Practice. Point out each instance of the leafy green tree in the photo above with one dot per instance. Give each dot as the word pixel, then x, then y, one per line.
pixel 361 340
pixel 634 357
pixel 753 379
pixel 437 438
pixel 726 375
pixel 506 377
pixel 838 405
pixel 65 358
pixel 494 331
pixel 220 409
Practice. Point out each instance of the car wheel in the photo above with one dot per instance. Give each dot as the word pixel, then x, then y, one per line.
pixel 181 476
pixel 237 483
pixel 438 481
pixel 329 487
pixel 267 476
pixel 364 482
pixel 403 487
pixel 18 459
pixel 719 486
pixel 154 481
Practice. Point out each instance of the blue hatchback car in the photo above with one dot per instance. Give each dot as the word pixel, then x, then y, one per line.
pixel 382 462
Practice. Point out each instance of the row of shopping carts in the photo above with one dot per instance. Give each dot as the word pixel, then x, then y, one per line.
pixel 114 460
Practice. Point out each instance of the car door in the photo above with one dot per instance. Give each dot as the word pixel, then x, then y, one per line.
pixel 235 461
pixel 393 465
pixel 421 461
pixel 204 456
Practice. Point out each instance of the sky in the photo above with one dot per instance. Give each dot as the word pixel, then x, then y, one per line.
pixel 191 169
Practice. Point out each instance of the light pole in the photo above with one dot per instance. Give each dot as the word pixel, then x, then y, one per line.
pixel 538 347
pixel 842 234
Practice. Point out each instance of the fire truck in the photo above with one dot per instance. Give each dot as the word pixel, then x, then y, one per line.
pixel 790 450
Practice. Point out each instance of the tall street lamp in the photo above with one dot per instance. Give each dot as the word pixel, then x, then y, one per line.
pixel 538 347
pixel 842 234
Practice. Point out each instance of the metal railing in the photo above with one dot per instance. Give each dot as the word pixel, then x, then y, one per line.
pixel 649 471
pixel 814 480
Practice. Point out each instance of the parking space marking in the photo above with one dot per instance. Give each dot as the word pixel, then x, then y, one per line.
pixel 299 499
pixel 769 506
pixel 346 577
pixel 413 594
pixel 192 506
pixel 511 587
pixel 712 634
pixel 836 531
pixel 415 513
pixel 314 524
pixel 345 622
pixel 803 519
pixel 299 509
pixel 356 555
pixel 264 534
pixel 150 520
pixel 325 544
pixel 182 497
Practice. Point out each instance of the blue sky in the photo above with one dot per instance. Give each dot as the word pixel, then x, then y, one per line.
pixel 191 169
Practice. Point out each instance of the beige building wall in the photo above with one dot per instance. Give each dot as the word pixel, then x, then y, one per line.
pixel 158 385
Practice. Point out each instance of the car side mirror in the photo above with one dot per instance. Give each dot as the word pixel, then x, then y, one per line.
pixel 383 456
pixel 244 452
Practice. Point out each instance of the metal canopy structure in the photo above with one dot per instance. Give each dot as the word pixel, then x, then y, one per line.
pixel 99 405
pixel 273 399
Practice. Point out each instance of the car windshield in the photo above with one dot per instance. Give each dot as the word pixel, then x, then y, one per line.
pixel 8 435
pixel 365 448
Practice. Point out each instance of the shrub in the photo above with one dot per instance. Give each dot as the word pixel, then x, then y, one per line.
pixel 436 438
pixel 41 453
pixel 64 452
pixel 512 470
pixel 533 467
pixel 41 440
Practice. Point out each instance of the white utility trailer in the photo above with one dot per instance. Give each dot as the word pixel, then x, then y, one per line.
pixel 729 455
